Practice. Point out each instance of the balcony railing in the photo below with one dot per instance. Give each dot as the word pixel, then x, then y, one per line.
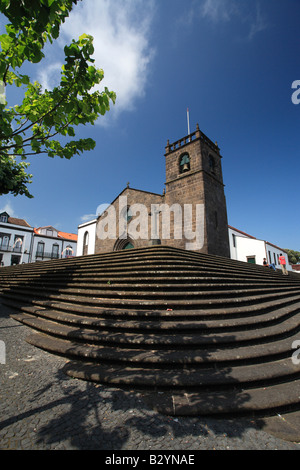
pixel 45 254
pixel 15 249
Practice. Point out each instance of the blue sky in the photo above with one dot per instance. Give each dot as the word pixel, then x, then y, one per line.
pixel 231 62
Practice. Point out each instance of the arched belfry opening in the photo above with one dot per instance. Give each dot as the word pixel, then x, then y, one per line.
pixel 184 163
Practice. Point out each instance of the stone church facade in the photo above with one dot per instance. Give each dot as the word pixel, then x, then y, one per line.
pixel 190 214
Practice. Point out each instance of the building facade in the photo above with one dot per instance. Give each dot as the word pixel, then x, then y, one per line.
pixel 49 243
pixel 21 243
pixel 15 240
pixel 86 238
pixel 245 247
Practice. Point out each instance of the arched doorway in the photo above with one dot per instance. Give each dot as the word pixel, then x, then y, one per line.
pixel 128 246
pixel 124 244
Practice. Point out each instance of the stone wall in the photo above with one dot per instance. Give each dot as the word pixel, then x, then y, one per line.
pixel 136 231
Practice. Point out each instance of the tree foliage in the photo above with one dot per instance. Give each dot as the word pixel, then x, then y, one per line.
pixel 293 256
pixel 44 122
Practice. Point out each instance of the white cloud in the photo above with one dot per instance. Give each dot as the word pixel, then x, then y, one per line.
pixel 121 30
pixel 99 210
pixel 221 11
pixel 48 76
pixel 7 207
pixel 87 217
pixel 258 24
pixel 217 10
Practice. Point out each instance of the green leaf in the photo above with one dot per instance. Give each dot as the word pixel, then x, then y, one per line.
pixel 18 140
pixel 44 121
pixel 71 132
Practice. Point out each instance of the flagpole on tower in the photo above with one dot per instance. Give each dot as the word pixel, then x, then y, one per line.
pixel 188 120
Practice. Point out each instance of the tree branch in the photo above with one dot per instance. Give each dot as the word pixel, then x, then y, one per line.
pixel 46 114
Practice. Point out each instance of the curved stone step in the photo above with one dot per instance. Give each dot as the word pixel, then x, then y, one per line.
pixel 162 357
pixel 232 402
pixel 197 379
pixel 144 272
pixel 122 322
pixel 161 258
pixel 175 255
pixel 156 291
pixel 183 301
pixel 146 339
pixel 221 313
pixel 178 284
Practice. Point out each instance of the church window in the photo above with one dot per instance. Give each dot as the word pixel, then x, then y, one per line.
pixel 126 213
pixel 212 163
pixel 184 163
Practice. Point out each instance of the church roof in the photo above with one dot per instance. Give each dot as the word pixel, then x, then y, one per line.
pixel 137 190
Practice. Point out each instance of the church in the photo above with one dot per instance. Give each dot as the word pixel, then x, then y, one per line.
pixel 190 214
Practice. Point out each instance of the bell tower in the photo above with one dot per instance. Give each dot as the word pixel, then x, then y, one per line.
pixel 194 177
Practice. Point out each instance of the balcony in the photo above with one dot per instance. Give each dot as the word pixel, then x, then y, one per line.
pixel 46 255
pixel 12 248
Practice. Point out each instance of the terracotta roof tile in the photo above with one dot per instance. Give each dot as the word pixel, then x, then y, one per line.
pixel 15 221
pixel 68 236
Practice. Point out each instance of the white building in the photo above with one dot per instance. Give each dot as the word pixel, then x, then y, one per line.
pixel 49 243
pixel 21 243
pixel 245 247
pixel 86 238
pixel 15 240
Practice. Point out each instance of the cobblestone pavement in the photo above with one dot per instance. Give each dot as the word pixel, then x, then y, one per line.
pixel 43 409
